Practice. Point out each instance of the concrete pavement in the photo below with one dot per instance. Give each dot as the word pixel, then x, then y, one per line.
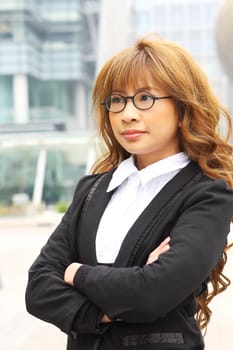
pixel 20 242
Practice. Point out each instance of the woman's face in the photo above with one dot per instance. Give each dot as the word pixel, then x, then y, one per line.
pixel 150 135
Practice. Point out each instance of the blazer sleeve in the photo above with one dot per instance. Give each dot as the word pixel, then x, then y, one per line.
pixel 135 294
pixel 48 297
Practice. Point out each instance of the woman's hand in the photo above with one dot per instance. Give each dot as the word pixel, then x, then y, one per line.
pixel 69 279
pixel 162 248
pixel 70 273
pixel 105 319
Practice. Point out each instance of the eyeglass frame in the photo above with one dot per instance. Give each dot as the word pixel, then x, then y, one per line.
pixel 125 98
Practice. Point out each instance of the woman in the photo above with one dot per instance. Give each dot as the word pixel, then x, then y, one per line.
pixel 132 260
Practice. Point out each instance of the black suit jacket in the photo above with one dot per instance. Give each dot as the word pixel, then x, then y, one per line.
pixel 152 306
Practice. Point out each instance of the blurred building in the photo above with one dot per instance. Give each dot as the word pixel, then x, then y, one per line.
pixel 49 54
pixel 192 24
pixel 224 36
pixel 47 60
pixel 47 67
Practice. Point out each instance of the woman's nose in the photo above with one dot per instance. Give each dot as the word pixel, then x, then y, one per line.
pixel 130 112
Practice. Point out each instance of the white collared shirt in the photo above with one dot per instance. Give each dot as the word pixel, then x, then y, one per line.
pixel 135 189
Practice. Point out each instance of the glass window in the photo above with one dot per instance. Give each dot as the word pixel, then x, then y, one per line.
pixel 6 99
pixel 17 173
pixel 176 15
pixel 5 30
pixel 61 176
pixel 159 17
pixel 65 165
pixel 51 100
pixel 192 16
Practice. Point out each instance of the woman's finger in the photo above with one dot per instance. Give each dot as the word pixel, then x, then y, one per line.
pixel 162 248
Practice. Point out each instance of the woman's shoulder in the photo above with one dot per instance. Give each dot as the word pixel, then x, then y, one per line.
pixel 86 182
pixel 202 185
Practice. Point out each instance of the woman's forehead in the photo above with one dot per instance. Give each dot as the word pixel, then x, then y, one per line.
pixel 139 83
pixel 134 81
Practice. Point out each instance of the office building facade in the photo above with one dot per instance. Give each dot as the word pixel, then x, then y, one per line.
pixel 47 67
pixel 46 60
pixel 192 24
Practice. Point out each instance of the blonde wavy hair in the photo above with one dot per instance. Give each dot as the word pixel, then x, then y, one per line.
pixel 200 113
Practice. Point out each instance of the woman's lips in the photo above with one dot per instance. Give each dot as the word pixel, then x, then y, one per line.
pixel 133 134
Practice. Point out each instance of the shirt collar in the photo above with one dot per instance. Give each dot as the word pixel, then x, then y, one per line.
pixel 162 167
pixel 123 171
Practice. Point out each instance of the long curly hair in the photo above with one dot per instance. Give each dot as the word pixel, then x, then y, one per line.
pixel 205 126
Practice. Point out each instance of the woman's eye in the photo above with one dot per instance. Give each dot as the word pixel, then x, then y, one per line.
pixel 145 97
pixel 116 99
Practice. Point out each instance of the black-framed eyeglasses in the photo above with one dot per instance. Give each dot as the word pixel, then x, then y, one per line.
pixel 142 100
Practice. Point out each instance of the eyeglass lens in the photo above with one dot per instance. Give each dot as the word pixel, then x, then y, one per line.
pixel 141 100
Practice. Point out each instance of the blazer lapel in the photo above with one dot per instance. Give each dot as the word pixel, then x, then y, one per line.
pixel 151 214
pixel 90 219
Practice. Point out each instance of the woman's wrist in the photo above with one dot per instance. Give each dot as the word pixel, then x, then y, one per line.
pixel 70 273
pixel 105 319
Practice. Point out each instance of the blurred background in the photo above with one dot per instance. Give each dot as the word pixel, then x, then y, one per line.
pixel 50 53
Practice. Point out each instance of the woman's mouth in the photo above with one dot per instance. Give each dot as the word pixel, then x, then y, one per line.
pixel 133 134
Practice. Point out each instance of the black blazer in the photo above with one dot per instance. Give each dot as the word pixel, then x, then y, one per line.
pixel 152 306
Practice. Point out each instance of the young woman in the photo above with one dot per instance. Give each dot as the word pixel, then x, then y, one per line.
pixel 140 252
